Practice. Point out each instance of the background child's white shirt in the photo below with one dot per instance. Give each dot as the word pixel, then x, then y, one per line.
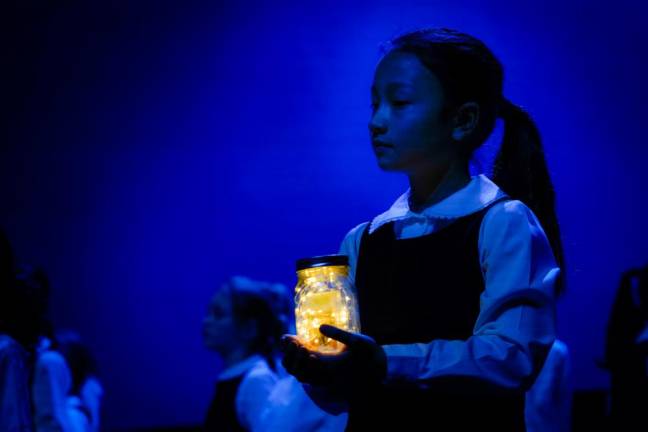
pixel 517 306
pixel 15 404
pixel 83 410
pixel 51 385
pixel 79 421
pixel 290 409
pixel 254 390
pixel 548 402
pixel 269 401
pixel 91 396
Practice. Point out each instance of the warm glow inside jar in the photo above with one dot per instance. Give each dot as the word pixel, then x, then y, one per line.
pixel 324 295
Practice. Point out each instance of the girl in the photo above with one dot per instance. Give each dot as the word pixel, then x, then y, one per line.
pixel 456 280
pixel 244 322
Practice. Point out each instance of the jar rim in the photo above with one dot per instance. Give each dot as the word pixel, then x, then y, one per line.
pixel 322 261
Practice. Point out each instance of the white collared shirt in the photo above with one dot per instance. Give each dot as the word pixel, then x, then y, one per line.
pixel 517 310
pixel 254 390
pixel 290 409
pixel 15 406
pixel 51 384
pixel 267 401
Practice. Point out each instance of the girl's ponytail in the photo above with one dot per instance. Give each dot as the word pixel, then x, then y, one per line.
pixel 521 171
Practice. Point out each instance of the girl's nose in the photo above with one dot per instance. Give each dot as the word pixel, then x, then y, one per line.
pixel 377 123
pixel 376 129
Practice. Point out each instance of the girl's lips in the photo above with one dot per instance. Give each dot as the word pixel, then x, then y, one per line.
pixel 381 144
pixel 382 149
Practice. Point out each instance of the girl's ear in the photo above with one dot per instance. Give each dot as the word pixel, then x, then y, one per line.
pixel 248 330
pixel 465 121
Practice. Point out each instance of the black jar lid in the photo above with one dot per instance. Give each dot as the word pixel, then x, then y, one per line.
pixel 322 261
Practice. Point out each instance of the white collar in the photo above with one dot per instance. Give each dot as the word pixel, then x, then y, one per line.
pixel 476 195
pixel 240 368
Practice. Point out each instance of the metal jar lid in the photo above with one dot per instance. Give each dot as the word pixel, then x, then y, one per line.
pixel 322 261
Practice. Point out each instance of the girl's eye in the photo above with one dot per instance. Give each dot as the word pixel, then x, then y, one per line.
pixel 400 103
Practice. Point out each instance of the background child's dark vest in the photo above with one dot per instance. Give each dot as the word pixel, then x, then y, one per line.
pixel 221 415
pixel 417 290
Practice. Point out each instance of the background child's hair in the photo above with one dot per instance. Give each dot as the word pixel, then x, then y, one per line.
pixel 6 280
pixel 469 71
pixel 25 315
pixel 269 305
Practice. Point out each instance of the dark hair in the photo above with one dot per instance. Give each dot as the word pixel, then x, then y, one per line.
pixel 24 298
pixel 469 71
pixel 268 305
pixel 27 304
pixel 6 280
pixel 6 258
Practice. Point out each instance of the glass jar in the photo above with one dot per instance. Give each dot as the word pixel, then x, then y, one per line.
pixel 324 295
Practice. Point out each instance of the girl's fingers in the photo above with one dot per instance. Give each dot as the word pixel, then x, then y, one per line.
pixel 338 334
pixel 297 360
pixel 301 365
pixel 290 350
pixel 287 341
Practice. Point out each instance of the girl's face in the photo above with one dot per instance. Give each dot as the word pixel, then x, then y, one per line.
pixel 220 329
pixel 407 131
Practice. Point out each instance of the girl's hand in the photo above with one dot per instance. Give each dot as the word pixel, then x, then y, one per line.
pixel 363 361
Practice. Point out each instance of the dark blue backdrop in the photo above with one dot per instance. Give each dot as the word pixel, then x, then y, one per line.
pixel 156 148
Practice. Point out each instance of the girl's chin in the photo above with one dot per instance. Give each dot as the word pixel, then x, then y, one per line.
pixel 387 164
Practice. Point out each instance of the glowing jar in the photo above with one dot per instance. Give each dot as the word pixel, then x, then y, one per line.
pixel 324 295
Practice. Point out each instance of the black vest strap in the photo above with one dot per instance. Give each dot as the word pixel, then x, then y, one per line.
pixel 221 416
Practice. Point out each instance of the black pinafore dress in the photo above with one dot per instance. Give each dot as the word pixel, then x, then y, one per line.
pixel 414 291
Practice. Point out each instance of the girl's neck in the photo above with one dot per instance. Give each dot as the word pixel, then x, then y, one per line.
pixel 234 357
pixel 432 186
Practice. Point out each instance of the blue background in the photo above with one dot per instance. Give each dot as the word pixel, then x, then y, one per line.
pixel 155 148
